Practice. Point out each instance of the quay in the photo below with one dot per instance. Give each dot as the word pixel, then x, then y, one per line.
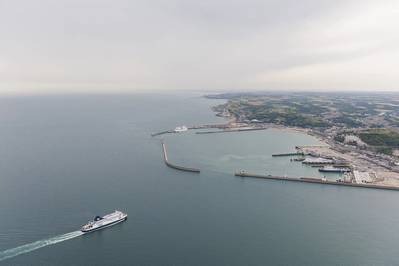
pixel 334 164
pixel 219 126
pixel 162 132
pixel 322 181
pixel 231 130
pixel 288 154
pixel 177 167
pixel 310 146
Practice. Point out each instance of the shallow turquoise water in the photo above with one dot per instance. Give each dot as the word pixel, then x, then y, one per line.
pixel 64 160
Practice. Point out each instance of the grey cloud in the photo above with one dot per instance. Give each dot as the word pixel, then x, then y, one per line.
pixel 190 44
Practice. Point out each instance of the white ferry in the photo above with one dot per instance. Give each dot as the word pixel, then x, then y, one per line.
pixel 332 169
pixel 181 129
pixel 105 221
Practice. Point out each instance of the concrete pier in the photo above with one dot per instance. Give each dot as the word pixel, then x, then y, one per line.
pixel 315 181
pixel 219 126
pixel 162 132
pixel 231 130
pixel 288 154
pixel 177 167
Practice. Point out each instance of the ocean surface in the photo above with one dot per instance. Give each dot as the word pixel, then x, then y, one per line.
pixel 65 159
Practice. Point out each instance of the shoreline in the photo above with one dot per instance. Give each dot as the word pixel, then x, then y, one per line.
pixel 372 165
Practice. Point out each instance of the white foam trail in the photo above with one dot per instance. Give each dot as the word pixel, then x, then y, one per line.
pixel 10 253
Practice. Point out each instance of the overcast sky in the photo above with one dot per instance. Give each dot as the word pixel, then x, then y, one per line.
pixel 121 45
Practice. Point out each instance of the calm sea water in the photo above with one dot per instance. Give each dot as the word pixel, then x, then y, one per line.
pixel 64 160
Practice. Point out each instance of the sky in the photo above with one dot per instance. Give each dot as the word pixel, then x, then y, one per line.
pixel 58 46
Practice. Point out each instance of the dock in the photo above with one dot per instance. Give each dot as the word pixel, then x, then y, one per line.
pixel 223 128
pixel 174 166
pixel 231 130
pixel 288 154
pixel 170 131
pixel 162 132
pixel 313 180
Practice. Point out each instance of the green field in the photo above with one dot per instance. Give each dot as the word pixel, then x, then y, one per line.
pixel 382 140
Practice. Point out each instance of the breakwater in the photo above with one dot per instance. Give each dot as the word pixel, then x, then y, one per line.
pixel 174 166
pixel 219 126
pixel 314 181
pixel 162 132
pixel 288 154
pixel 231 130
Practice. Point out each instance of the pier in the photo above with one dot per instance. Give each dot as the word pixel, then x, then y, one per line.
pixel 219 126
pixel 231 130
pixel 223 129
pixel 288 154
pixel 177 167
pixel 162 132
pixel 313 180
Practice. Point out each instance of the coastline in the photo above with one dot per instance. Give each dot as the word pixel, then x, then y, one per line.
pixel 383 175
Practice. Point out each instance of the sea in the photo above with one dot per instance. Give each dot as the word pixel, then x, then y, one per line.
pixel 67 158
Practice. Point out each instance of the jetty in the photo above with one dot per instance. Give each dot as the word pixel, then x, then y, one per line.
pixel 231 130
pixel 171 131
pixel 174 166
pixel 313 180
pixel 223 128
pixel 162 132
pixel 288 154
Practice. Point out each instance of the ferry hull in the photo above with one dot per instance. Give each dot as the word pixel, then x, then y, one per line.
pixel 334 171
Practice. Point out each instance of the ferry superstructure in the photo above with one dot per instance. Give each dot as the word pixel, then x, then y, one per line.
pixel 104 221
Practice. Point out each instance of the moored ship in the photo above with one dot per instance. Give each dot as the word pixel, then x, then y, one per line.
pixel 332 169
pixel 181 129
pixel 104 221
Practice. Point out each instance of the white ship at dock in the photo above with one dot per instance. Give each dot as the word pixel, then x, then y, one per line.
pixel 332 169
pixel 181 129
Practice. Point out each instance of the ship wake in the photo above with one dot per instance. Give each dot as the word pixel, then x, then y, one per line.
pixel 13 252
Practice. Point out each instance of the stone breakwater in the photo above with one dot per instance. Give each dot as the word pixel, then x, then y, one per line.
pixel 174 166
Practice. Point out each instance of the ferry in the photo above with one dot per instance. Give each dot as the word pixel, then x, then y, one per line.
pixel 104 221
pixel 331 169
pixel 181 129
